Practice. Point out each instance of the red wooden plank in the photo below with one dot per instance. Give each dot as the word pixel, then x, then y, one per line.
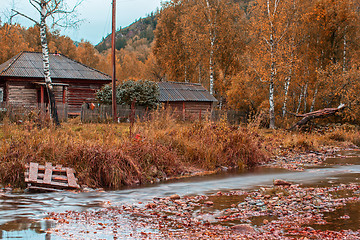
pixel 33 172
pixel 71 178
pixel 48 173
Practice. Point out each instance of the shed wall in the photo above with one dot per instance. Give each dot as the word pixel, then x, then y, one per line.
pixel 21 94
pixel 190 107
pixel 81 93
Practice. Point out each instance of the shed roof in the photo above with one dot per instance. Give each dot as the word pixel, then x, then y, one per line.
pixel 30 65
pixel 180 91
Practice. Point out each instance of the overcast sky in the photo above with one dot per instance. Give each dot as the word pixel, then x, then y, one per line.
pixel 95 13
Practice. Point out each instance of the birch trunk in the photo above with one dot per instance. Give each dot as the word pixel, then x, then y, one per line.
pixel 212 37
pixel 211 67
pixel 313 100
pixel 272 50
pixel 305 96
pixel 288 79
pixel 271 96
pixel 344 54
pixel 300 100
pixel 286 91
pixel 287 85
pixel 271 82
pixel 46 64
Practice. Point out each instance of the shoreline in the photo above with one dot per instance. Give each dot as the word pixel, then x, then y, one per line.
pixel 276 212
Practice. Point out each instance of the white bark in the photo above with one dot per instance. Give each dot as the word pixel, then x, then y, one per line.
pixel 46 63
pixel 44 47
pixel 212 38
pixel 272 46
pixel 271 89
pixel 211 68
pixel 344 54
pixel 50 8
pixel 305 96
pixel 313 100
pixel 272 105
pixel 286 91
pixel 287 84
pixel 300 100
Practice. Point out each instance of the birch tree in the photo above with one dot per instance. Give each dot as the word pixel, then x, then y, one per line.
pixel 270 23
pixel 199 41
pixel 331 30
pixel 61 15
pixel 211 18
pixel 168 46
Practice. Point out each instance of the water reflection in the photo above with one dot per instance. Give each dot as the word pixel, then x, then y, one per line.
pixel 20 213
pixel 25 228
pixel 347 217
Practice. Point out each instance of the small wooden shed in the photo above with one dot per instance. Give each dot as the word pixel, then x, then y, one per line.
pixel 191 98
pixel 22 82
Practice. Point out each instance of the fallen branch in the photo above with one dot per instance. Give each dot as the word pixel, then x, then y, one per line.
pixel 326 112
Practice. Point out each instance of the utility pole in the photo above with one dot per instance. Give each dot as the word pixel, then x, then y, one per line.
pixel 114 113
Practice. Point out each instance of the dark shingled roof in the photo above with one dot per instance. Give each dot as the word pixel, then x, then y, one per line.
pixel 30 65
pixel 179 91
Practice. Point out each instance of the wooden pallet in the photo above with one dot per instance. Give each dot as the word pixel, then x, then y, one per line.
pixel 50 178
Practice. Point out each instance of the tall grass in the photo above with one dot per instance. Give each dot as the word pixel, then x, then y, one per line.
pixel 205 144
pixel 104 155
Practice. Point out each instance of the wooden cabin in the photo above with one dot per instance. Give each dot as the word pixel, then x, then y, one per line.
pixel 190 98
pixel 22 82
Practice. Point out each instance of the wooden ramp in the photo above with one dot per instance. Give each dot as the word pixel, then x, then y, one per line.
pixel 50 178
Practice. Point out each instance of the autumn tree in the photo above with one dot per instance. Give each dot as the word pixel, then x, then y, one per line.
pixel 269 26
pixel 11 41
pixel 152 69
pixel 200 41
pixel 168 46
pixel 332 28
pixel 87 54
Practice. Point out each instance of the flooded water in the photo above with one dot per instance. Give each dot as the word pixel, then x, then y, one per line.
pixel 21 214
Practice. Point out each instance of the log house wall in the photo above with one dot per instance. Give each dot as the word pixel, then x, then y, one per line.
pixel 190 107
pixel 24 92
pixel 21 94
pixel 82 92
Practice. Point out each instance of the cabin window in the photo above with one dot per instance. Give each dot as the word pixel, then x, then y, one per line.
pixel 1 94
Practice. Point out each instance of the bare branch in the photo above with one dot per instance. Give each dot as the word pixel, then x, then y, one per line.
pixel 276 6
pixel 37 2
pixel 267 42
pixel 59 13
pixel 269 14
pixel 21 14
pixel 256 72
pixel 284 33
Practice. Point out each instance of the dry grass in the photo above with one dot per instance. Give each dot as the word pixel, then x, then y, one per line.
pixel 332 135
pixel 104 155
pixel 205 144
pixel 342 133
